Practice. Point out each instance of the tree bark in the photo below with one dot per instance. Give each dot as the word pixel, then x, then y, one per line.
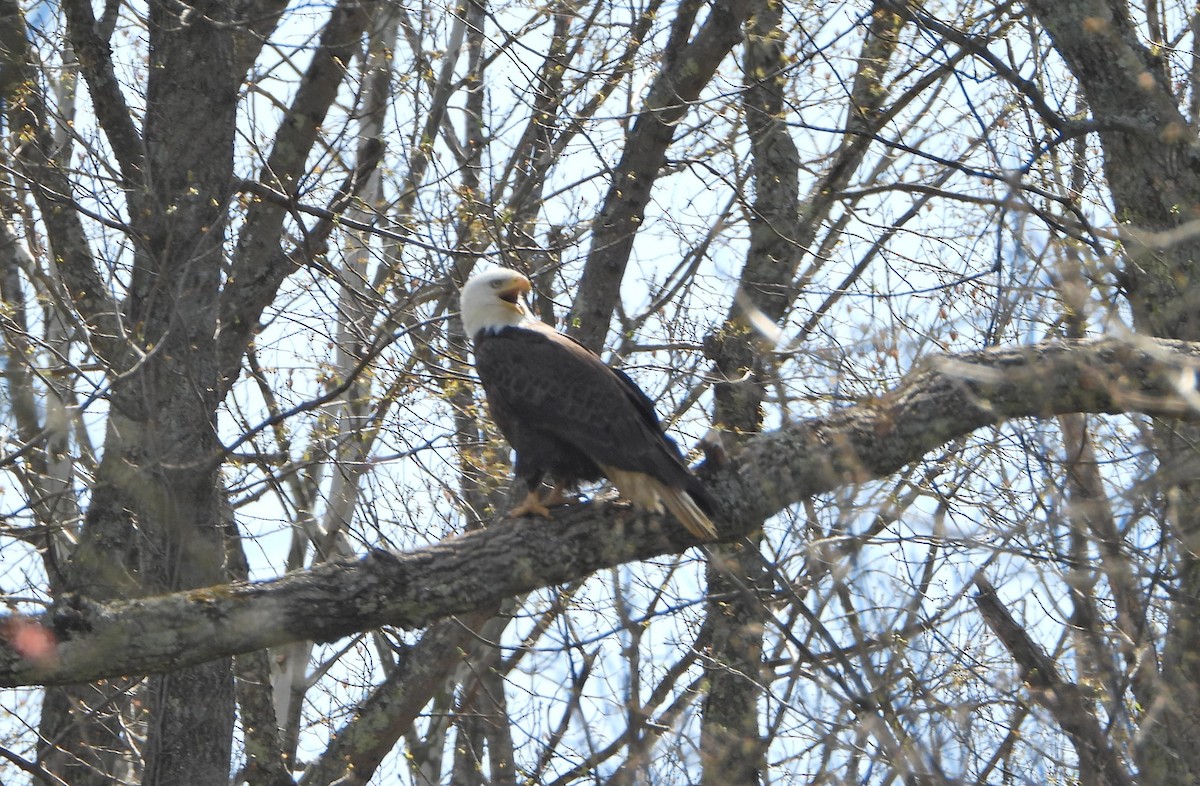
pixel 730 737
pixel 688 68
pixel 1153 171
pixel 944 399
pixel 1065 700
pixel 156 522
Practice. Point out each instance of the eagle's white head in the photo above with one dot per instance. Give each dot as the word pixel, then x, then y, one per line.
pixel 492 300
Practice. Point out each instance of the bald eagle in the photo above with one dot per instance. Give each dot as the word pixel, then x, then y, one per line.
pixel 568 415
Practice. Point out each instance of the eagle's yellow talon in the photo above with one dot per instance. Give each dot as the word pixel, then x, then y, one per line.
pixel 531 506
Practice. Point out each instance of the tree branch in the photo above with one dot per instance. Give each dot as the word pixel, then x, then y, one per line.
pixel 949 396
pixel 687 70
pixel 260 265
pixel 1063 699
pixel 112 111
pixel 945 398
pixel 75 280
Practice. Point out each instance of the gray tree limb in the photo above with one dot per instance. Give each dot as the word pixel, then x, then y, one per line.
pixel 1064 699
pixel 687 70
pixel 260 264
pixel 82 291
pixel 944 398
pixel 112 110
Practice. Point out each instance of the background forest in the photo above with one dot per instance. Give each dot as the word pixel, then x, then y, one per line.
pixel 917 285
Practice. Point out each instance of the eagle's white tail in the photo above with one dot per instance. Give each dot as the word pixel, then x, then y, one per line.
pixel 649 493
pixel 684 508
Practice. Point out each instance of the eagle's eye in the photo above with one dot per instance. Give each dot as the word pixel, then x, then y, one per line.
pixel 496 284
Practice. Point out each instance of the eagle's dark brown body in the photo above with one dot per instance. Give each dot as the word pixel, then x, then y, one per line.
pixel 569 416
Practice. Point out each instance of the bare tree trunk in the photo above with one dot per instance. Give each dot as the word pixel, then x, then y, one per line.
pixel 779 234
pixel 156 519
pixel 1155 186
pixel 731 741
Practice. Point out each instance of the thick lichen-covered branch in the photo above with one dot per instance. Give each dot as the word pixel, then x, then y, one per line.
pixel 946 398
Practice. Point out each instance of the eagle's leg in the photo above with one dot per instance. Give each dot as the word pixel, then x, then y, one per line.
pixel 531 506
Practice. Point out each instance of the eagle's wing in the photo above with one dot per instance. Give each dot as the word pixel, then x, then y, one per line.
pixel 547 381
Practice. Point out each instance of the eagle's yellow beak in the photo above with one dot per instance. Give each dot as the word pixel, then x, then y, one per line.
pixel 512 290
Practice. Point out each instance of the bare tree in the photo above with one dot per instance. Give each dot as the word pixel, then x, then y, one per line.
pixel 913 284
